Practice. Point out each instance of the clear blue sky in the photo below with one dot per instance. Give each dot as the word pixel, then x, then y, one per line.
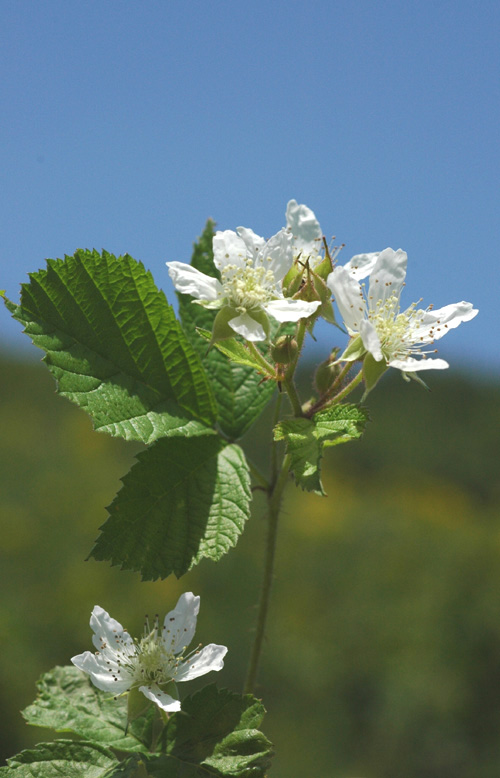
pixel 124 125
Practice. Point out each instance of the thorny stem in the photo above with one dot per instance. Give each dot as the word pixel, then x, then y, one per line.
pixel 274 498
pixel 279 478
pixel 349 388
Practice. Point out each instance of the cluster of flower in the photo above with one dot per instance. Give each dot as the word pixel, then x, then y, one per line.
pixel 253 285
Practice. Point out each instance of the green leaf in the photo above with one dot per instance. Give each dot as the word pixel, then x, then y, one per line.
pixel 62 759
pixel 185 499
pixel 217 730
pixel 67 701
pixel 305 439
pixel 215 734
pixel 238 353
pixel 240 393
pixel 115 348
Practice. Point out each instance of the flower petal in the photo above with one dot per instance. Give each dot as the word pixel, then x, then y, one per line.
pixel 371 340
pixel 306 230
pixel 189 280
pixel 288 309
pixel 107 676
pixel 361 265
pixel 277 254
pixel 180 624
pixel 387 276
pixel 109 633
pixel 162 699
pixel 209 658
pixel 247 327
pixel 229 249
pixel 411 365
pixel 349 298
pixel 253 242
pixel 437 323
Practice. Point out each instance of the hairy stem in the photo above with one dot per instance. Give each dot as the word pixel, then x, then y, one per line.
pixel 274 499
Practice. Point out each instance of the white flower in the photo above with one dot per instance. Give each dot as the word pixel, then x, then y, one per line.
pixel 376 322
pixel 306 231
pixel 251 272
pixel 122 663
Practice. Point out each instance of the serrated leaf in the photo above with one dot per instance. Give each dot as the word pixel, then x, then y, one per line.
pixel 115 348
pixel 305 439
pixel 217 729
pixel 215 734
pixel 62 758
pixel 240 393
pixel 67 701
pixel 185 499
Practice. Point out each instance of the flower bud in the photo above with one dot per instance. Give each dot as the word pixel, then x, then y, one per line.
pixel 327 372
pixel 284 350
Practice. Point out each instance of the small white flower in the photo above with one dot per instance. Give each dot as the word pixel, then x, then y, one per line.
pixel 158 658
pixel 376 323
pixel 306 231
pixel 251 272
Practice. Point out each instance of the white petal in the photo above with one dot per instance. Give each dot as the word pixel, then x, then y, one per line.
pixel 371 340
pixel 361 265
pixel 208 659
pixel 349 298
pixel 109 633
pixel 305 228
pixel 277 254
pixel 287 309
pixel 180 624
pixel 105 677
pixel 411 365
pixel 387 276
pixel 163 700
pixel 247 327
pixel 189 280
pixel 437 323
pixel 229 249
pixel 253 242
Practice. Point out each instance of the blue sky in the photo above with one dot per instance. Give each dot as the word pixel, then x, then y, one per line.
pixel 126 124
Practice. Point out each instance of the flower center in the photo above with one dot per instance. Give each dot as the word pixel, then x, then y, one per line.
pixel 152 662
pixel 248 287
pixel 397 331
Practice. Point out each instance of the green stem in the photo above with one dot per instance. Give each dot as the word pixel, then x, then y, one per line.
pixel 293 396
pixel 267 367
pixel 274 447
pixel 349 388
pixel 259 477
pixel 275 496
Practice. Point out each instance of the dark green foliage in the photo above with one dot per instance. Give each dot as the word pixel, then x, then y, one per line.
pixel 184 500
pixel 215 734
pixel 115 348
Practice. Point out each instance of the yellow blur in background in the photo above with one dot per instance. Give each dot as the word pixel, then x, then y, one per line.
pixel 382 656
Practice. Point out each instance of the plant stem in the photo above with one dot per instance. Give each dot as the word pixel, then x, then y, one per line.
pixel 349 388
pixel 275 496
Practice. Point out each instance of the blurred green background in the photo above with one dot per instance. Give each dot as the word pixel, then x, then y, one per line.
pixel 382 657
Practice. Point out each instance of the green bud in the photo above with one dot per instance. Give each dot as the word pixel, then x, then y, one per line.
pixel 284 350
pixel 327 372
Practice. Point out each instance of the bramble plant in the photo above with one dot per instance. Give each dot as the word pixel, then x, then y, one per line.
pixel 188 388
